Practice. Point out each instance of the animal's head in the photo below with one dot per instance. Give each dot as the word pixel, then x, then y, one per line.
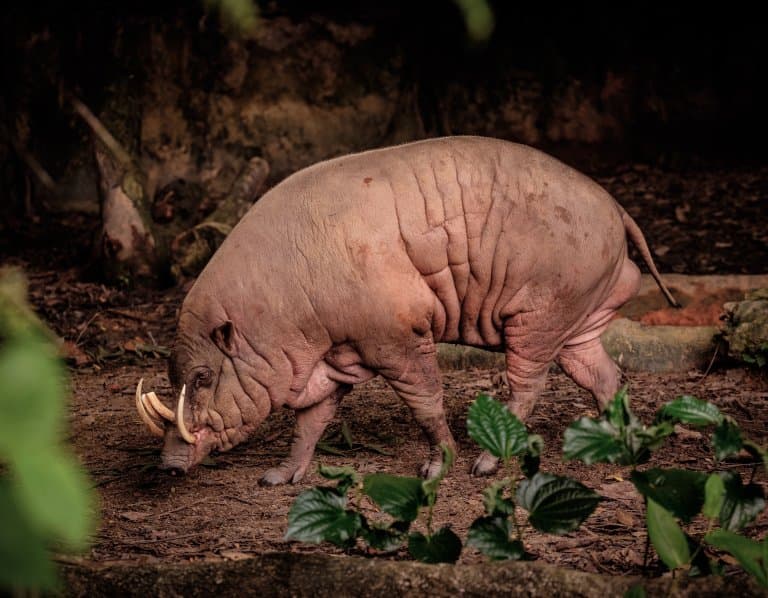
pixel 219 401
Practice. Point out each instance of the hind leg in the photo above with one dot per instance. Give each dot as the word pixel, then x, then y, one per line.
pixel 528 357
pixel 591 367
pixel 583 356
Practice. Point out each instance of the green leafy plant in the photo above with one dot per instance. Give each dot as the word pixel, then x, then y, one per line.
pixel 45 499
pixel 555 504
pixel 676 496
pixel 324 514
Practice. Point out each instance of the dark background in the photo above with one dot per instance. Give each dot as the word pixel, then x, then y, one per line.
pixel 676 88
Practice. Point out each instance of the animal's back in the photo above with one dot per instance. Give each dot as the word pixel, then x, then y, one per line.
pixel 472 229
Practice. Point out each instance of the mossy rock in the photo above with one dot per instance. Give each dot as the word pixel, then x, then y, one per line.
pixel 746 328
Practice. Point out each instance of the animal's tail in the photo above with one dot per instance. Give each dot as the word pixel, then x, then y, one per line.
pixel 638 240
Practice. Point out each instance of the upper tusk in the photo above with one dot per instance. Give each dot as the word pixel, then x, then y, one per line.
pixel 158 406
pixel 180 418
pixel 145 417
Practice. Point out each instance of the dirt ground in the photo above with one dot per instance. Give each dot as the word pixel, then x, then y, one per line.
pixel 698 222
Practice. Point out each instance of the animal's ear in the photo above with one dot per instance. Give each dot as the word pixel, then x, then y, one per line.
pixel 224 337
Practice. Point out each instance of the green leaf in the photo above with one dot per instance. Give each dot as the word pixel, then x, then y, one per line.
pixel 726 439
pixel 319 515
pixel 54 493
pixel 490 535
pixel 494 501
pixel 618 413
pixel 535 445
pixel 741 504
pixel 666 536
pixel 24 560
pixel 346 476
pixel 386 538
pixel 495 429
pixel 593 441
pixel 752 555
pixel 636 591
pixel 443 546
pixel 690 410
pixel 555 504
pixel 398 496
pixel 31 397
pixel 642 439
pixel 679 491
pixel 714 496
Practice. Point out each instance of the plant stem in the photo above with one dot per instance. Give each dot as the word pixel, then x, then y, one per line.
pixel 514 471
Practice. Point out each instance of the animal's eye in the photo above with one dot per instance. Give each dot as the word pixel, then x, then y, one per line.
pixel 203 378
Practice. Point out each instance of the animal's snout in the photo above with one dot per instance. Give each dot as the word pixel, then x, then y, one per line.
pixel 175 469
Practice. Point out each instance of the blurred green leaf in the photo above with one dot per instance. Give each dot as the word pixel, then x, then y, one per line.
pixel 478 18
pixel 690 410
pixel 237 16
pixel 386 538
pixel 741 504
pixel 31 397
pixel 494 501
pixel 679 491
pixel 752 555
pixel 24 560
pixel 666 536
pixel 636 591
pixel 714 495
pixel 443 546
pixel 556 504
pixel 346 476
pixel 53 492
pixel 593 441
pixel 490 535
pixel 398 496
pixel 726 439
pixel 320 515
pixel 491 425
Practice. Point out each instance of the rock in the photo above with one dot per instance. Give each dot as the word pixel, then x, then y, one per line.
pixel 659 348
pixel 746 328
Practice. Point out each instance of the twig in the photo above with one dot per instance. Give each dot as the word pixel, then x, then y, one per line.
pixel 85 327
pixel 161 540
pixel 709 367
pixel 130 315
pixel 113 145
pixel 238 499
pixel 182 507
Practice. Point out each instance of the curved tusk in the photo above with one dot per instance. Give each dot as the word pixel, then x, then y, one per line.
pixel 180 418
pixel 145 417
pixel 159 408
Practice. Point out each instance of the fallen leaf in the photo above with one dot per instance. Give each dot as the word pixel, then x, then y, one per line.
pixel 134 515
pixel 618 491
pixel 74 354
pixel 625 518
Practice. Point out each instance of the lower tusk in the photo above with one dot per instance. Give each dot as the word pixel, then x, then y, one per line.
pixel 159 408
pixel 180 419
pixel 145 417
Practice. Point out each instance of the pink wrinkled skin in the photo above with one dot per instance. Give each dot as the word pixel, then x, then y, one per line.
pixel 358 266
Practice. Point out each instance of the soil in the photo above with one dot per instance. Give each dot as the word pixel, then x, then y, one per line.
pixel 709 221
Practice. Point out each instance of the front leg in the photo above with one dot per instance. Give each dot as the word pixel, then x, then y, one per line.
pixel 310 425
